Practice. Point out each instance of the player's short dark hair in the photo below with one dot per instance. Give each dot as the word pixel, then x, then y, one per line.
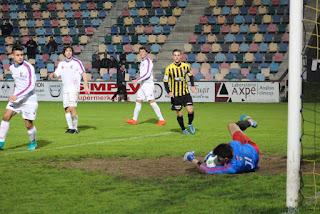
pixel 176 50
pixel 224 150
pixel 17 46
pixel 66 47
pixel 143 48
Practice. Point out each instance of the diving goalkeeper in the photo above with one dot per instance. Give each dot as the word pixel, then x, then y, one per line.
pixel 237 156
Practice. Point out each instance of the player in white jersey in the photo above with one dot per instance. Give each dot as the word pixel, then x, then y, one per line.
pixel 71 70
pixel 24 98
pixel 146 90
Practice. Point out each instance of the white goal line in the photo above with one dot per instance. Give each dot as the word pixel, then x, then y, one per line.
pixel 85 144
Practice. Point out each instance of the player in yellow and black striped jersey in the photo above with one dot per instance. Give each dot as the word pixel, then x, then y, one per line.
pixel 175 82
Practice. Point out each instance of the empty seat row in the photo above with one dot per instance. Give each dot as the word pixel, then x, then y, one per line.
pixel 271 10
pixel 152 12
pixel 154 20
pixel 239 38
pixel 134 39
pixel 140 29
pixel 157 3
pixel 231 3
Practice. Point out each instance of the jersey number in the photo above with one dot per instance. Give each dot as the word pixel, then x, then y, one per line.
pixel 248 161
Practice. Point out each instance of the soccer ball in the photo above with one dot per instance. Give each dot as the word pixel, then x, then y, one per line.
pixel 213 161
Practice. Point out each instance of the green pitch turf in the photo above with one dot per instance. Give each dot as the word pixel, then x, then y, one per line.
pixel 40 181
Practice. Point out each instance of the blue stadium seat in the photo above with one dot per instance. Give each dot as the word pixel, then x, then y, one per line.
pixel 85 14
pixel 143 39
pixel 267 37
pixel 263 28
pixel 215 65
pixel 16 32
pixel 263 47
pixel 132 72
pixel 166 29
pixel 131 58
pixel 266 2
pixel 67 6
pixel 154 20
pixel 96 22
pixel 110 48
pixel 21 7
pixel 243 10
pixel 244 47
pixel 283 47
pixel 225 10
pixel 250 77
pixel 229 57
pixel 137 21
pixel 244 28
pixel 40 31
pixel 159 12
pixel 87 22
pixel 182 3
pixel 199 76
pixel 69 14
pixel 239 38
pixel 114 29
pixel 50 67
pixel 53 57
pixel 106 77
pixel 260 77
pixel 83 6
pixel 212 20
pixel 42 40
pixel 125 39
pixel 229 38
pixel 157 29
pixel 258 57
pixel 102 14
pixel 235 71
pixel 248 19
pixel 239 19
pixel 276 19
pixel 220 57
pixel 58 40
pixel 202 38
pixel 14 15
pixel 191 57
pixel 73 31
pixel 139 4
pixel 264 65
pixel 195 65
pixel 47 22
pixel 274 67
pixel 134 12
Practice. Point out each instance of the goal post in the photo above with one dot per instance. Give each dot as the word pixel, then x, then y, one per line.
pixel 294 103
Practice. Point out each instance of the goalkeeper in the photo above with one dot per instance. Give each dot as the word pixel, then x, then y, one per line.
pixel 237 156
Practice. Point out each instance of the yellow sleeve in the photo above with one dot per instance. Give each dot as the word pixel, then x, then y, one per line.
pixel 188 71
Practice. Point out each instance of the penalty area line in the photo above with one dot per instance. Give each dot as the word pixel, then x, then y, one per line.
pixel 85 144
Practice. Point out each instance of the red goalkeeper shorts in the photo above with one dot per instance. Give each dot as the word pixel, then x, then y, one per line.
pixel 243 138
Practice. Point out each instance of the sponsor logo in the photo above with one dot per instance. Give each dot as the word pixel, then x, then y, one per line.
pixel 55 90
pixel 105 88
pixel 5 88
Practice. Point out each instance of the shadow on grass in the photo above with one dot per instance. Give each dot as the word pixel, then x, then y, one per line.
pixel 82 128
pixel 154 121
pixel 40 144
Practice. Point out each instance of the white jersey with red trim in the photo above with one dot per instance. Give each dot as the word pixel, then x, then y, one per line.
pixel 70 72
pixel 24 81
pixel 146 71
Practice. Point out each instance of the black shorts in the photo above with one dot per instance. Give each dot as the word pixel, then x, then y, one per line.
pixel 178 102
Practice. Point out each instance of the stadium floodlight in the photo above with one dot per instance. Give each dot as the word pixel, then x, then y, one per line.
pixel 294 103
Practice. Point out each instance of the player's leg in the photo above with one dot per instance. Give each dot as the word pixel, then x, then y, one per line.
pixel 72 104
pixel 190 118
pixel 115 94
pixel 140 97
pixel 67 110
pixel 29 113
pixel 180 121
pixel 157 110
pixel 124 90
pixel 5 124
pixel 32 132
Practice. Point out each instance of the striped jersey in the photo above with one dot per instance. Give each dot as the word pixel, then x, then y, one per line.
pixel 146 71
pixel 176 76
pixel 245 159
pixel 70 72
pixel 24 81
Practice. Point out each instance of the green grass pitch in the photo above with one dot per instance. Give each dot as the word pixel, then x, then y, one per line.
pixel 40 181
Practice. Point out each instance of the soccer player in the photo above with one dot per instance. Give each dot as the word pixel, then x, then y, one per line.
pixel 146 90
pixel 178 91
pixel 237 156
pixel 71 70
pixel 24 98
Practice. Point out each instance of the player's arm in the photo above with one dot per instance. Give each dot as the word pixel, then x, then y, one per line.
pixel 57 72
pixel 191 77
pixel 166 82
pixel 226 169
pixel 19 95
pixel 84 77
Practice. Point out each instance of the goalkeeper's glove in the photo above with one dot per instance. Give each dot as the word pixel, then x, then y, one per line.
pixel 189 156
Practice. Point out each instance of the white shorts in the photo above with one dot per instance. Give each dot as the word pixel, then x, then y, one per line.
pixel 146 92
pixel 28 109
pixel 70 99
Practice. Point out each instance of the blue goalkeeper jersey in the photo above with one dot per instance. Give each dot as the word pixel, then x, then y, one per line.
pixel 245 159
